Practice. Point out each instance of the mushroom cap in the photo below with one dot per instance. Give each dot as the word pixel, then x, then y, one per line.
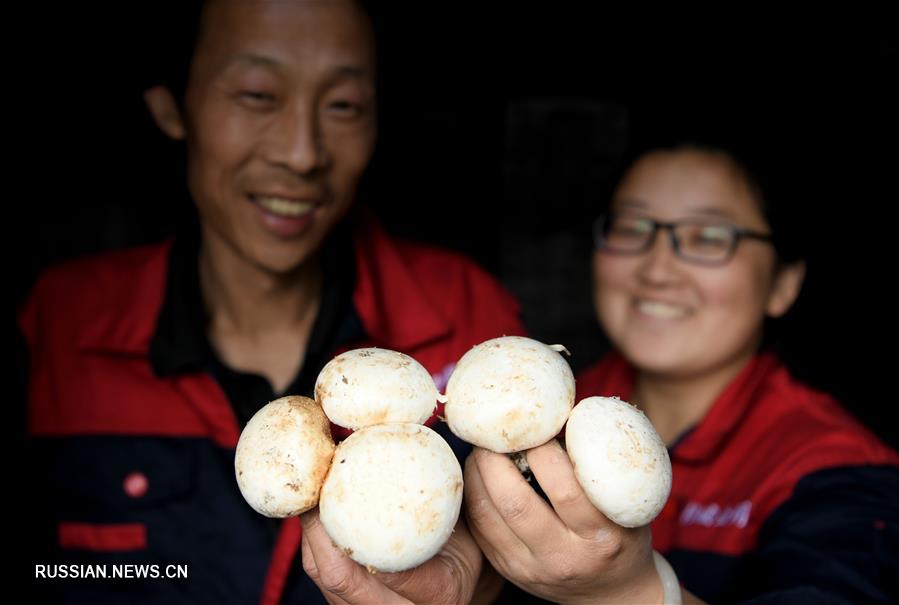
pixel 509 394
pixel 619 460
pixel 364 387
pixel 392 496
pixel 283 456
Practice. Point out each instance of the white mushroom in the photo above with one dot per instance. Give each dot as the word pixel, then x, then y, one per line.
pixel 509 394
pixel 364 387
pixel 392 496
pixel 619 460
pixel 283 456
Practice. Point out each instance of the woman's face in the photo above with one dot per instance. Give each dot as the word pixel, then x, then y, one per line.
pixel 676 318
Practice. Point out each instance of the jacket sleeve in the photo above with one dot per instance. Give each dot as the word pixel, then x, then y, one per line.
pixel 835 540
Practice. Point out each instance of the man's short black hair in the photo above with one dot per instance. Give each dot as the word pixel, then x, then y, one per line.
pixel 173 39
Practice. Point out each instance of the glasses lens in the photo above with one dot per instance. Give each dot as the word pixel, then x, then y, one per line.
pixel 626 233
pixel 705 243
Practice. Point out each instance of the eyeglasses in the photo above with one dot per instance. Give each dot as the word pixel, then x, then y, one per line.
pixel 694 241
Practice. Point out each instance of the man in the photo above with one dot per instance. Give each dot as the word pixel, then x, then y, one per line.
pixel 146 363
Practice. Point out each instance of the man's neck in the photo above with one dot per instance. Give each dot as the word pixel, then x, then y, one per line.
pixel 259 322
pixel 242 298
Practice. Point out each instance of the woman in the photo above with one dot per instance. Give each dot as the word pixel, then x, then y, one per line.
pixel 778 494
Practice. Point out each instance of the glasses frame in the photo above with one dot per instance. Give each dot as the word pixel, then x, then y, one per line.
pixel 739 233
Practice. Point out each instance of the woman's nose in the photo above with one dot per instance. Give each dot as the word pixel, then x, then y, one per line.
pixel 659 263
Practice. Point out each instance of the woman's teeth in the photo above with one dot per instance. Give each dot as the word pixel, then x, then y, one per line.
pixel 661 310
pixel 283 207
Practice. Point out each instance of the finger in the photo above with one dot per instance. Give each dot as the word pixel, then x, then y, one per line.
pixel 449 577
pixel 484 521
pixel 311 569
pixel 338 575
pixel 553 470
pixel 525 513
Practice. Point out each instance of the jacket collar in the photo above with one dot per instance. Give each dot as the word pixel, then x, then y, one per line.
pixel 706 439
pixel 394 309
pixel 728 411
pixel 126 293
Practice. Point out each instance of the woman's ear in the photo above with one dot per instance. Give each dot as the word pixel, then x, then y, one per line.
pixel 165 111
pixel 785 290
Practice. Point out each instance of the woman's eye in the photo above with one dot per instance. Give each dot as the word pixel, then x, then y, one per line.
pixel 631 228
pixel 712 236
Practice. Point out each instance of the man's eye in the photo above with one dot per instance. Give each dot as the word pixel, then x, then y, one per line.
pixel 345 109
pixel 257 97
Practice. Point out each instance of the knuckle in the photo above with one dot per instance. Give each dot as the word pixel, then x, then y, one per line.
pixel 566 568
pixel 310 568
pixel 477 510
pixel 335 580
pixel 570 495
pixel 609 543
pixel 513 509
pixel 522 572
pixel 567 572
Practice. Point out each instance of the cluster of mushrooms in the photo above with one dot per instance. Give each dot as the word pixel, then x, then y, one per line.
pixel 390 494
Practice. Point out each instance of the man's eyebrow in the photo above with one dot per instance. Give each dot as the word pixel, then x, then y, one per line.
pixel 340 72
pixel 351 71
pixel 254 59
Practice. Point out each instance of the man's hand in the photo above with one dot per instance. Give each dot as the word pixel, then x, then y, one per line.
pixel 449 577
pixel 568 552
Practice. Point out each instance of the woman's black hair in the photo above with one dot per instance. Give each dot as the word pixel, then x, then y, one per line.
pixel 766 174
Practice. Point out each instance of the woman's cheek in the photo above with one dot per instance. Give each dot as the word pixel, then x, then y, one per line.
pixel 610 292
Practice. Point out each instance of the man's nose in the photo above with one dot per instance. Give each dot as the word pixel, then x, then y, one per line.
pixel 295 142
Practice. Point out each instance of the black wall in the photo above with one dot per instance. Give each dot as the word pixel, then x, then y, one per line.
pixel 497 133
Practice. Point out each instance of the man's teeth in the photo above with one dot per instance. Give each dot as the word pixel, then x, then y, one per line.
pixel 283 207
pixel 661 310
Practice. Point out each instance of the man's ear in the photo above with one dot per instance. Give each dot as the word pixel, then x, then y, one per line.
pixel 786 287
pixel 165 111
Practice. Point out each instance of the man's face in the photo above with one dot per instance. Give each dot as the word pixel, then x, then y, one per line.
pixel 279 120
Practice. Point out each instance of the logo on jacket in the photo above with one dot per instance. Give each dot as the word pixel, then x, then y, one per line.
pixel 714 515
pixel 442 377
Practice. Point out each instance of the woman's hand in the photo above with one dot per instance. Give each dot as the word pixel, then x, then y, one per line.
pixel 568 552
pixel 449 577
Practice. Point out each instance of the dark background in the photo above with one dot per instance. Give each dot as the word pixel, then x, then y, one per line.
pixel 498 131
